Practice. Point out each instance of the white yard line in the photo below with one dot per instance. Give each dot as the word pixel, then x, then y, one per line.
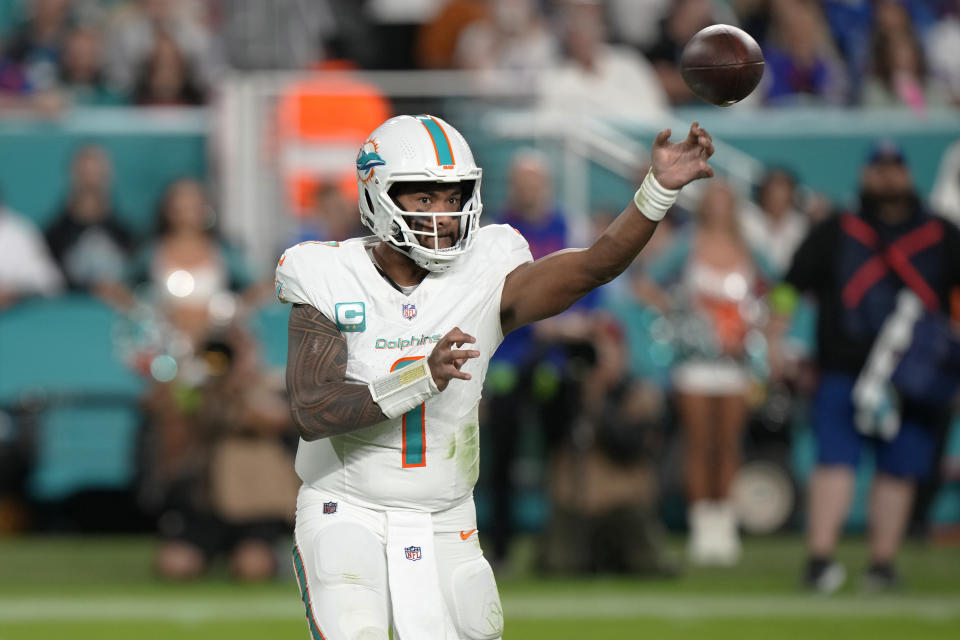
pixel 517 607
pixel 737 606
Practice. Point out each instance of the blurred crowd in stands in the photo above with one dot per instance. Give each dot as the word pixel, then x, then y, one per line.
pixel 673 351
pixel 871 53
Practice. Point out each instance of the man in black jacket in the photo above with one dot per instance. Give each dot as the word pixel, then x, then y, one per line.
pixel 86 239
pixel 857 266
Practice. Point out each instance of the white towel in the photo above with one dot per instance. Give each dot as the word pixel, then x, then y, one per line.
pixel 876 405
pixel 418 611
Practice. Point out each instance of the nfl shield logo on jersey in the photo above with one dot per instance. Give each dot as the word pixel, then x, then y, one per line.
pixel 412 553
pixel 329 507
pixel 410 311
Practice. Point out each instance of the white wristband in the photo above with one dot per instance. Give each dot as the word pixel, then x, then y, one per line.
pixel 653 199
pixel 404 389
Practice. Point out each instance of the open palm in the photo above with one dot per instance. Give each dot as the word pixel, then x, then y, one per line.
pixel 678 163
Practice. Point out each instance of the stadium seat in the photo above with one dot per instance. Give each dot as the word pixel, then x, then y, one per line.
pixel 59 371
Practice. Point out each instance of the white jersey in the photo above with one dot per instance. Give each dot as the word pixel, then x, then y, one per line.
pixel 427 459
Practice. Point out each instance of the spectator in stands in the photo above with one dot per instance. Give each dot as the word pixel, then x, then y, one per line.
pixel 87 239
pixel 775 226
pixel 855 23
pixel 945 196
pixel 683 19
pixel 943 48
pixel 280 34
pixel 333 217
pixel 754 17
pixel 636 22
pixel 199 282
pixel 37 45
pixel 716 280
pixel 598 78
pixel 166 78
pixel 81 73
pixel 802 64
pixel 526 355
pixel 217 469
pixel 26 267
pixel 857 266
pixel 602 469
pixel 530 206
pixel 438 37
pixel 135 28
pixel 28 69
pixel 891 16
pixel 899 76
pixel 513 38
pixel 396 25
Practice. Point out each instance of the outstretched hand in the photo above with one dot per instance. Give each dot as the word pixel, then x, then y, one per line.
pixel 677 164
pixel 445 361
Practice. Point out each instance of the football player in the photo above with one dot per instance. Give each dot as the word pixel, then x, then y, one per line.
pixel 389 340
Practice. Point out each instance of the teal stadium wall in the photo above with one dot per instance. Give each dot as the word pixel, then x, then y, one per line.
pixel 148 151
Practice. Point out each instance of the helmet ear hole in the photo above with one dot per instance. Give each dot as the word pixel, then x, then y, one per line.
pixel 366 194
pixel 468 187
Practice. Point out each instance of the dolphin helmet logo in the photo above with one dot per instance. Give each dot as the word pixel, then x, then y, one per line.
pixel 368 159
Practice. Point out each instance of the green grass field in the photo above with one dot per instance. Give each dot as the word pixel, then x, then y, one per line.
pixel 101 589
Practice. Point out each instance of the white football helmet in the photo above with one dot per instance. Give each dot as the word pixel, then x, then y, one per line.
pixel 417 149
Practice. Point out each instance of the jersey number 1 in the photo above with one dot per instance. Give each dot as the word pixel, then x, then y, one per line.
pixel 414 427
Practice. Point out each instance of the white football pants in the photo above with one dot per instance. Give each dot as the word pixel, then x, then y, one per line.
pixel 341 568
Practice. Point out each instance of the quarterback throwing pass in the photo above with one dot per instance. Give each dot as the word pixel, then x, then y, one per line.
pixel 389 341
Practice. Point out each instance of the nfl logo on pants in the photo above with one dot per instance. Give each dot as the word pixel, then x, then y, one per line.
pixel 329 507
pixel 412 553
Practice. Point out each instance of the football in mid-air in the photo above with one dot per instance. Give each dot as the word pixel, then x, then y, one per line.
pixel 721 64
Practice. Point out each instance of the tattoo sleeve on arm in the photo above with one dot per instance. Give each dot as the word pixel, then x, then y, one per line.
pixel 321 402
